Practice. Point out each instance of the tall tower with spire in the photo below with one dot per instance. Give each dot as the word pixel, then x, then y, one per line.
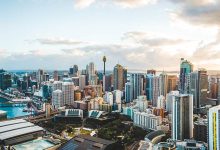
pixel 104 60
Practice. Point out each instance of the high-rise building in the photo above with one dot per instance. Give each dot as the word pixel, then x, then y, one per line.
pixel 152 71
pixel 146 121
pixel 185 69
pixel 92 74
pixel 93 80
pixel 213 87
pixel 55 75
pixel 85 72
pixel 142 103
pixel 156 90
pixel 46 77
pixel 137 84
pixel 40 75
pixel 161 102
pixel 169 100
pixel 163 83
pixel 82 82
pixel 182 117
pixel 75 80
pixel 109 98
pixel 45 91
pixel 152 88
pixel 5 80
pixel 73 71
pixel 117 96
pixel 199 87
pixel 201 130
pixel 108 82
pixel 68 93
pixel 57 99
pixel 104 60
pixel 149 86
pixel 57 85
pixel 120 77
pixel 213 128
pixel 172 83
pixel 128 92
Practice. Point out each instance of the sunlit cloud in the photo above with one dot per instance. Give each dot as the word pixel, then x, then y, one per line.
pixel 58 41
pixel 80 4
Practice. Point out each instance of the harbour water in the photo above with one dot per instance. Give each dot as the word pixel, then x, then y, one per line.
pixel 13 111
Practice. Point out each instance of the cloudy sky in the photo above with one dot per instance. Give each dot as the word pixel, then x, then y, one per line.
pixel 139 34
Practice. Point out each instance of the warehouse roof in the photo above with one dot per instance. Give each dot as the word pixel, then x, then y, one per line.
pixel 15 126
pixel 5 123
pixel 18 127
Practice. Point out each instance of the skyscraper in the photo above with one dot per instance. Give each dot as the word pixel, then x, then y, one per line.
pixel 55 75
pixel 169 100
pixel 104 60
pixel 109 98
pixel 213 125
pixel 163 83
pixel 91 73
pixel 213 87
pixel 182 117
pixel 82 82
pixel 152 71
pixel 68 93
pixel 149 86
pixel 152 88
pixel 172 83
pixel 57 99
pixel 156 90
pixel 185 69
pixel 45 91
pixel 120 77
pixel 135 80
pixel 108 82
pixel 128 92
pixel 5 80
pixel 57 85
pixel 40 74
pixel 73 70
pixel 199 87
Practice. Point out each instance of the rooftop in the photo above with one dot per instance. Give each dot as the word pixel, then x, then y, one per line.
pixel 86 142
pixel 2 112
pixel 18 127
pixel 5 123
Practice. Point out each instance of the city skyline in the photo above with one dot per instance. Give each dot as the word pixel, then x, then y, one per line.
pixel 140 34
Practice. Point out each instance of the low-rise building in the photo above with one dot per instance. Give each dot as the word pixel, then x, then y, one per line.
pixel 18 131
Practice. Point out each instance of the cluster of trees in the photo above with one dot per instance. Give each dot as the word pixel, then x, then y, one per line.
pixel 121 133
pixel 53 127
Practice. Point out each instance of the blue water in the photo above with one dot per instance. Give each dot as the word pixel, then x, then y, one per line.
pixel 34 145
pixel 13 112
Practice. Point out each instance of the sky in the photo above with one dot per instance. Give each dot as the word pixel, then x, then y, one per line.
pixel 138 34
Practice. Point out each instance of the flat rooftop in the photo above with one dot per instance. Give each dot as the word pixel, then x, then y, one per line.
pixel 10 122
pixel 18 127
pixel 2 112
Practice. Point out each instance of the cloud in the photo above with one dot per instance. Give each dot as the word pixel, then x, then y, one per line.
pixel 151 39
pixel 59 41
pixel 4 53
pixel 136 50
pixel 79 4
pixel 133 3
pixel 198 12
pixel 208 51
